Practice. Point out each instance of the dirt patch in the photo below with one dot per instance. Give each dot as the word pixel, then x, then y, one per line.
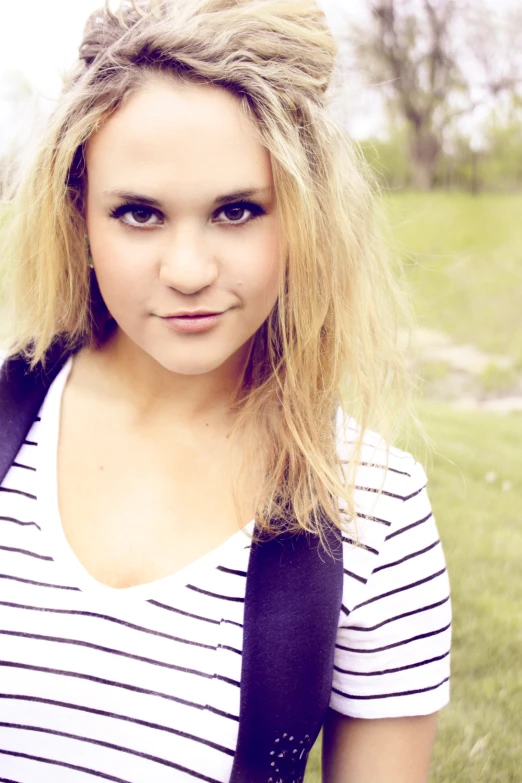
pixel 466 377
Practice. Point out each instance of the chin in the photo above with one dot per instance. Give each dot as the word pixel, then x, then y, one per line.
pixel 190 366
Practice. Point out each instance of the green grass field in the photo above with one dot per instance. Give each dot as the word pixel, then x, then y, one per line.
pixel 463 258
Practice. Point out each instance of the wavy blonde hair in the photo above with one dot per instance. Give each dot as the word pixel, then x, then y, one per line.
pixel 332 335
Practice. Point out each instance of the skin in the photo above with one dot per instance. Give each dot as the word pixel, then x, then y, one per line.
pixel 389 750
pixel 184 146
pixel 145 419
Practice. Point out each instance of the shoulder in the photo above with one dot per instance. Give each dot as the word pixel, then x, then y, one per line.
pixel 390 485
pixel 392 651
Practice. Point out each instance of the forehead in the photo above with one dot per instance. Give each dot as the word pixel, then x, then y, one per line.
pixel 173 136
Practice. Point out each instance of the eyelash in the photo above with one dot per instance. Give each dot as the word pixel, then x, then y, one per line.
pixel 256 211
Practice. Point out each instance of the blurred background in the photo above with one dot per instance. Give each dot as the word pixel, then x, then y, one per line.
pixel 431 90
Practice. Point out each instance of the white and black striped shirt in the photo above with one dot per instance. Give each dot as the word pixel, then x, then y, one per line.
pixel 142 684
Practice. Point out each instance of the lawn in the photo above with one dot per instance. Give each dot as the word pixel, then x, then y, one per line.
pixel 463 258
pixel 480 523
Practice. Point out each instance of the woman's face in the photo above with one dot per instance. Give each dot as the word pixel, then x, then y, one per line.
pixel 181 217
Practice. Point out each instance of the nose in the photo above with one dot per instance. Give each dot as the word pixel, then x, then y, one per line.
pixel 187 262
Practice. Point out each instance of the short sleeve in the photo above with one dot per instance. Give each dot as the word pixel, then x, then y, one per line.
pixel 392 654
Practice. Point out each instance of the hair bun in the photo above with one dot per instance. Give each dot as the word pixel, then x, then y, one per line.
pixel 296 35
pixel 103 29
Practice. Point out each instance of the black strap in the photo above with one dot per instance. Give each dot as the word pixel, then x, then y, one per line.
pixel 292 608
pixel 22 393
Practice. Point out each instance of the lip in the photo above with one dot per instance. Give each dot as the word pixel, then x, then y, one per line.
pixel 193 313
pixel 192 323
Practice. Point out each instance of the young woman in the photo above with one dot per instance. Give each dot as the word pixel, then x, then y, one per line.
pixel 197 232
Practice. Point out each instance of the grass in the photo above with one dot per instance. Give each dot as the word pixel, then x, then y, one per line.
pixel 481 529
pixel 463 259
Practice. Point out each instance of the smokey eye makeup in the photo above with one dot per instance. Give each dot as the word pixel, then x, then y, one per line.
pixel 143 216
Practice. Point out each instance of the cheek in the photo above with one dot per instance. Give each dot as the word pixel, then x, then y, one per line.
pixel 259 277
pixel 121 279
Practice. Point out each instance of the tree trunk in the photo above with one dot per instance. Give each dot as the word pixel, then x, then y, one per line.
pixel 425 150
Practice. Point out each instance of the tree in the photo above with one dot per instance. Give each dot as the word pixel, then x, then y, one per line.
pixel 424 56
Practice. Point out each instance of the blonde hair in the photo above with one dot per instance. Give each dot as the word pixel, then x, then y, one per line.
pixel 332 338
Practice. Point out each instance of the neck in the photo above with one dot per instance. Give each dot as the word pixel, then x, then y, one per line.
pixel 120 368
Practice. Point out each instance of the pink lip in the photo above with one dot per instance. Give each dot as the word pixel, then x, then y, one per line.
pixel 192 323
pixel 193 313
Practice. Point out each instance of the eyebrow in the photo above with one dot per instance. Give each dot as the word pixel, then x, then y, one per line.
pixel 236 195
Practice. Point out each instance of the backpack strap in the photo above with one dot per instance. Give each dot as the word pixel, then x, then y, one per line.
pixel 22 393
pixel 292 608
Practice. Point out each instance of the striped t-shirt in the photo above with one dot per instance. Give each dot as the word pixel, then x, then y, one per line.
pixel 142 684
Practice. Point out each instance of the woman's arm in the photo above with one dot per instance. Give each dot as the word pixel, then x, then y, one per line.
pixel 388 750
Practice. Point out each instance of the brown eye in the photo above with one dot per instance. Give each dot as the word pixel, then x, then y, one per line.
pixel 234 214
pixel 141 215
pixel 137 216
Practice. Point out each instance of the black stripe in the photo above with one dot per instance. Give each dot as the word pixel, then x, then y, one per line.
pixel 231 649
pixel 408 527
pixel 355 576
pixel 391 494
pixel 374 519
pixel 397 617
pixel 377 465
pixel 394 671
pixel 407 557
pixel 116 716
pixel 111 746
pixel 19 522
pixel 417 492
pixel 38 418
pixel 110 650
pixel 56 763
pixel 80 613
pixel 231 571
pixel 216 595
pixel 355 543
pixel 8 780
pixel 223 714
pixel 391 695
pixel 231 622
pixel 25 552
pixel 228 680
pixel 25 467
pixel 30 443
pixel 18 492
pixel 401 589
pixel 38 584
pixel 101 681
pixel 180 611
pixel 395 644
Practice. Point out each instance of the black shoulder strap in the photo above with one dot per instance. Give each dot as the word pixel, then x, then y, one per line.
pixel 292 608
pixel 22 393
